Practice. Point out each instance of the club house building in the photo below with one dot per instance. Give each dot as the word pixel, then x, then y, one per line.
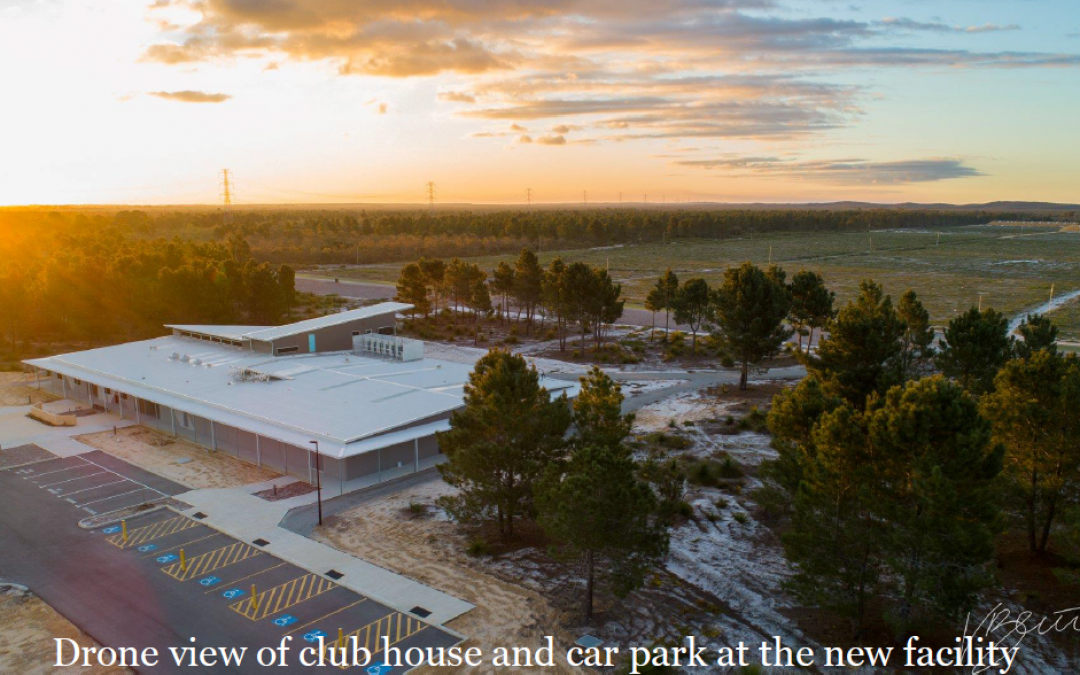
pixel 370 399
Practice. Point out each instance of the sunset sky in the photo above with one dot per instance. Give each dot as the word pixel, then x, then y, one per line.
pixel 144 101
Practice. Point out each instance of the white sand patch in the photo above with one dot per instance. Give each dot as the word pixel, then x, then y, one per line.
pixel 692 406
pixel 631 388
pixel 741 563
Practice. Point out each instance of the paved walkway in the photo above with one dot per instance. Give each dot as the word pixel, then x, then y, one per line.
pixel 247 518
pixel 17 429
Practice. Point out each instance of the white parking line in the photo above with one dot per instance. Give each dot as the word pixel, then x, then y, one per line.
pixel 96 473
pixel 46 473
pixel 105 499
pixel 115 482
pixel 124 477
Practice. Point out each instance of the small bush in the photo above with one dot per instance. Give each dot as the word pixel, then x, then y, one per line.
pixel 684 509
pixel 727 362
pixel 721 503
pixel 477 548
pixel 729 469
pixel 416 509
pixel 741 518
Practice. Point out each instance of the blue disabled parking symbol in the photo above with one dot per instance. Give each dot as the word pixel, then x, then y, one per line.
pixel 379 669
pixel 314 635
pixel 146 548
pixel 111 530
pixel 284 620
pixel 233 593
pixel 209 581
pixel 168 558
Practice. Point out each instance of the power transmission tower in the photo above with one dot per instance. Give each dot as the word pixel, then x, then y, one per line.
pixel 584 196
pixel 620 196
pixel 431 195
pixel 528 196
pixel 226 194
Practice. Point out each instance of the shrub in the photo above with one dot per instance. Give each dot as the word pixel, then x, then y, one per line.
pixel 729 469
pixel 741 517
pixel 477 548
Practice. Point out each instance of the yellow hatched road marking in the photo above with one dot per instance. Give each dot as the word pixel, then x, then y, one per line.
pixel 157 530
pixel 212 560
pixel 396 627
pixel 282 597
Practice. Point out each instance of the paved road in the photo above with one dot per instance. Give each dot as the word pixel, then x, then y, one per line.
pixel 369 291
pixel 135 593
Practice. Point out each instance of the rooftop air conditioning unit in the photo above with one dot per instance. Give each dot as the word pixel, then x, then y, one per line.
pixel 388 346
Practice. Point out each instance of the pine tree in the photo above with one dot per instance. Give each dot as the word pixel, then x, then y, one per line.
pixel 861 354
pixel 502 282
pixel 917 350
pixel 528 280
pixel 898 502
pixel 598 418
pixel 934 457
pixel 412 289
pixel 750 308
pixel 555 299
pixel 976 345
pixel 599 512
pixel 811 304
pixel 693 306
pixel 479 303
pixel 500 442
pixel 1036 332
pixel 665 294
pixel 434 278
pixel 1035 412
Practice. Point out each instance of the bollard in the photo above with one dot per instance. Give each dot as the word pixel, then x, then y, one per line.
pixel 340 638
pixel 254 598
pixel 183 561
pixel 123 529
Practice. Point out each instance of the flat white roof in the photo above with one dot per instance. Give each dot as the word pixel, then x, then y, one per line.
pixel 344 401
pixel 299 327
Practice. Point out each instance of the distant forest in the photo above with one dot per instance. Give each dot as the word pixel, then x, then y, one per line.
pixel 354 235
pixel 101 275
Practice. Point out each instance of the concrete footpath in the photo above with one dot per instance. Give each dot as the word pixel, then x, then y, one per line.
pixel 247 518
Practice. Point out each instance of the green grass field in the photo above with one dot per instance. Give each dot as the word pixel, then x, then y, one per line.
pixel 1012 268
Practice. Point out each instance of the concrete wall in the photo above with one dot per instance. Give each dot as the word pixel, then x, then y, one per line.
pixel 338 476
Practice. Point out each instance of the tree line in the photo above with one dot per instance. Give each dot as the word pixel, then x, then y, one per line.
pixel 102 286
pixel 901 457
pixel 564 297
pixel 349 235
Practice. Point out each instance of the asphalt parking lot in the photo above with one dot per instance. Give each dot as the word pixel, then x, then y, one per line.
pixel 163 578
pixel 96 483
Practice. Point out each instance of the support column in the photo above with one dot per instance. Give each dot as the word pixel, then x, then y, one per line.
pixel 138 412
pixel 378 455
pixel 172 416
pixel 63 384
pixel 258 451
pixel 416 454
pixel 213 437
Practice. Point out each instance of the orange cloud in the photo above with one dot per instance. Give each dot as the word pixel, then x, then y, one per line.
pixel 189 96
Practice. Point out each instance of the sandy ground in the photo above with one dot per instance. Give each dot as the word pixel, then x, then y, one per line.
pixel 431 550
pixel 13 390
pixel 162 454
pixel 27 629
